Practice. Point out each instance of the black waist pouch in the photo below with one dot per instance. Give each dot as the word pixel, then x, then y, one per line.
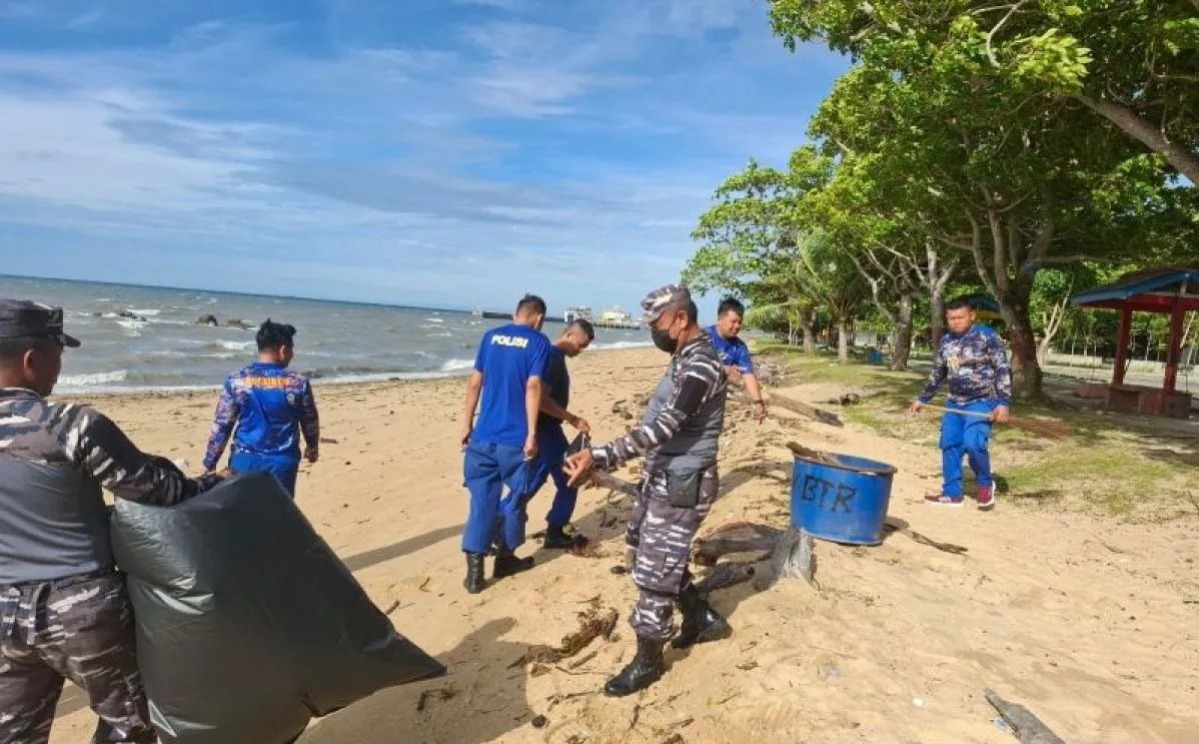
pixel 682 487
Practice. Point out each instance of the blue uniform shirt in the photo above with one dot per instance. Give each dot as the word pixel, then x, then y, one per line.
pixel 733 351
pixel 270 407
pixel 508 356
pixel 557 379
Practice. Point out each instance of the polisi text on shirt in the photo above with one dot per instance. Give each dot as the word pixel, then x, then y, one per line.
pixel 516 341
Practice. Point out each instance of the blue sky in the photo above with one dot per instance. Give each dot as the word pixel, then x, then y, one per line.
pixel 431 152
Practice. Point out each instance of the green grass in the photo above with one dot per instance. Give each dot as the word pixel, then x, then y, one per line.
pixel 1105 468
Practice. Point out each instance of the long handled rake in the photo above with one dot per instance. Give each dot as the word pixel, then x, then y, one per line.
pixel 1040 427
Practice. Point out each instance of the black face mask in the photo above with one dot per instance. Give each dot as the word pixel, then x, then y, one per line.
pixel 663 340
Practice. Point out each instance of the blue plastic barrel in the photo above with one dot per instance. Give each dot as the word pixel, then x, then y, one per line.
pixel 841 498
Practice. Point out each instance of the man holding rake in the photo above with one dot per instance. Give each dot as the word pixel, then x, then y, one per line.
pixel 972 358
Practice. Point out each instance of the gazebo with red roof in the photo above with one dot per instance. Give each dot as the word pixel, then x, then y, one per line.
pixel 1168 290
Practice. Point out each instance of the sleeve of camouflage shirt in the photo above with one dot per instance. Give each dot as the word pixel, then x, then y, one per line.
pixel 310 422
pixel 937 376
pixel 1003 370
pixel 699 378
pixel 99 448
pixel 227 411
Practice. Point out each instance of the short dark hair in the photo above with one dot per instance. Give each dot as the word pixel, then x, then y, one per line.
pixel 272 335
pixel 583 325
pixel 688 307
pixel 530 303
pixel 730 303
pixel 960 303
pixel 12 349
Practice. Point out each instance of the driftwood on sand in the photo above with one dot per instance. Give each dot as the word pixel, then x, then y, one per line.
pixel 1027 727
pixel 791 551
pixel 592 624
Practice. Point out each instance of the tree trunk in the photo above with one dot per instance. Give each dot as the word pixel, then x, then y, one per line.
pixel 937 309
pixel 842 340
pixel 809 335
pixel 1149 135
pixel 1026 372
pixel 903 334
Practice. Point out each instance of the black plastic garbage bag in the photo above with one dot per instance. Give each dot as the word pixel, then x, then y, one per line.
pixel 248 624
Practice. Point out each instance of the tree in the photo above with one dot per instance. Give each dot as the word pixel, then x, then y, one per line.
pixel 1133 62
pixel 979 162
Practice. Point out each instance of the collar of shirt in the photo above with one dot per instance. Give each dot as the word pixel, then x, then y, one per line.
pixel 17 392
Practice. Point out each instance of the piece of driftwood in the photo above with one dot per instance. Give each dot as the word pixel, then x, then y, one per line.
pixel 607 480
pixel 808 453
pixel 738 537
pixel 803 409
pixel 724 575
pixel 1027 727
pixel 592 625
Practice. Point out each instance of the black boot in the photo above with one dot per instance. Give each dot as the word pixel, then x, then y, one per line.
pixel 644 670
pixel 474 573
pixel 557 539
pixel 507 564
pixel 701 623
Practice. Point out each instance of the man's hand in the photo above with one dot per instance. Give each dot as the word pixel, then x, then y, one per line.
pixel 581 425
pixel 578 466
pixel 312 454
pixel 734 376
pixel 760 410
pixel 1001 414
pixel 530 447
pixel 464 437
pixel 915 408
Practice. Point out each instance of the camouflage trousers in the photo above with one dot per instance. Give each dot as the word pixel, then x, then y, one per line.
pixel 78 628
pixel 659 535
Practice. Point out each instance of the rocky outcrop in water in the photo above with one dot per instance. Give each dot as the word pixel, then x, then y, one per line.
pixel 208 320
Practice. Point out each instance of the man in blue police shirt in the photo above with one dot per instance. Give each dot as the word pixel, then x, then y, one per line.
pixel 501 447
pixel 734 353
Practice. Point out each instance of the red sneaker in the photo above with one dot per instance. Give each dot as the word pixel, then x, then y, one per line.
pixel 986 497
pixel 940 499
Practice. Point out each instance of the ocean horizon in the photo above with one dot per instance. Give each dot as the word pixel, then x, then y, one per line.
pixel 139 338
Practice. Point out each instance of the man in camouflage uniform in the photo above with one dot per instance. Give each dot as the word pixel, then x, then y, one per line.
pixel 972 359
pixel 679 437
pixel 64 613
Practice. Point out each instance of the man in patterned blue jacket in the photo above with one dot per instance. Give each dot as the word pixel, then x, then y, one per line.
pixel 270 407
pixel 972 358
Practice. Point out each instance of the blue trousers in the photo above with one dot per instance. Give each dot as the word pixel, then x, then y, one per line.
pixel 967 435
pixel 552 446
pixel 487 469
pixel 283 467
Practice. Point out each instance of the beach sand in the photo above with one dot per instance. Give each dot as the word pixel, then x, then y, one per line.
pixel 1090 623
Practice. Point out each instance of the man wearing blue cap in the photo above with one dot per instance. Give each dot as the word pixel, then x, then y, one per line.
pixel 64 613
pixel 679 437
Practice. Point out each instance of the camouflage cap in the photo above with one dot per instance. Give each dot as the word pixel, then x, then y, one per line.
pixel 656 302
pixel 21 319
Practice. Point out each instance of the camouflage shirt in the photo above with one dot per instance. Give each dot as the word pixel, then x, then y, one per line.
pixel 976 366
pixel 54 460
pixel 685 414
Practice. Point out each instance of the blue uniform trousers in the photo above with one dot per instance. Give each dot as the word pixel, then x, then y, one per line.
pixel 967 435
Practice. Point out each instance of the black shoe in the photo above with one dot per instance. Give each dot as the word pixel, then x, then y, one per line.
pixel 645 669
pixel 474 573
pixel 557 539
pixel 701 623
pixel 507 564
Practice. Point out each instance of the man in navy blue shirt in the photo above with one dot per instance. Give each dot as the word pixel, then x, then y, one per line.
pixel 271 407
pixel 501 447
pixel 551 440
pixel 734 353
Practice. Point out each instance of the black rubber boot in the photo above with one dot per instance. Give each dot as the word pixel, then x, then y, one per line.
pixel 645 669
pixel 700 623
pixel 474 573
pixel 507 564
pixel 557 539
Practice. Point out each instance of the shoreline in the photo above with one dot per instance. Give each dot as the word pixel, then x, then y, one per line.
pixel 346 381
